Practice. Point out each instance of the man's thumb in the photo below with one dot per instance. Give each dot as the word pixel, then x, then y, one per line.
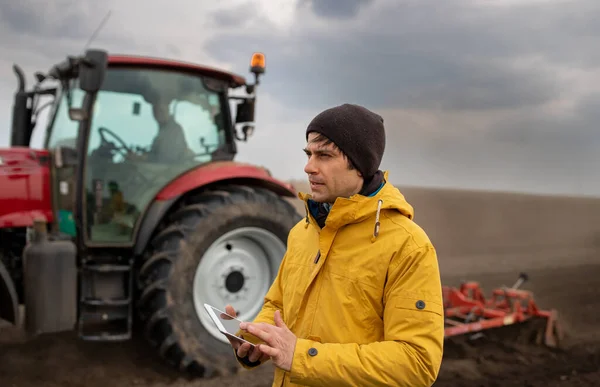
pixel 278 320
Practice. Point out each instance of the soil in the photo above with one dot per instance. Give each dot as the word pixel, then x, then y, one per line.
pixel 571 286
pixel 62 360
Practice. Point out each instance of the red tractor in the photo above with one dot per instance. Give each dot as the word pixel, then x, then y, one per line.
pixel 134 213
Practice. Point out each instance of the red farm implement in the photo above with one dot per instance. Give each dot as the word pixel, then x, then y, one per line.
pixel 467 311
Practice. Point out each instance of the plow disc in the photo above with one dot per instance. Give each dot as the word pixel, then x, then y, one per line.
pixel 468 312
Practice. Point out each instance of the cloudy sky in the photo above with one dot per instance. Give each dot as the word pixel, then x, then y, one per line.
pixel 475 93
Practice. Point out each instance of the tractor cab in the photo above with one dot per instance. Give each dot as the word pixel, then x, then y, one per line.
pixel 144 123
pixel 147 126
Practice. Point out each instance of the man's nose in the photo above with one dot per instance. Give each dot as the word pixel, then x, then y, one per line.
pixel 310 167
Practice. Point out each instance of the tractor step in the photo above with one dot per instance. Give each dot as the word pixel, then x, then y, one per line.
pixel 105 301
pixel 111 302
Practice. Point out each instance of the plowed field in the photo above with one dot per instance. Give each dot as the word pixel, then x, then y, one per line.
pixel 565 276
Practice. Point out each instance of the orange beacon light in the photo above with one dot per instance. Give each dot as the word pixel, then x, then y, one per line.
pixel 257 63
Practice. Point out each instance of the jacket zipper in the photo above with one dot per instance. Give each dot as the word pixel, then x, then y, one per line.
pixel 318 256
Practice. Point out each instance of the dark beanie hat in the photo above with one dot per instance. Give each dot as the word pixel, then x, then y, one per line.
pixel 357 131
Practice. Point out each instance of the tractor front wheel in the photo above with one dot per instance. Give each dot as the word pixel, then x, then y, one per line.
pixel 221 247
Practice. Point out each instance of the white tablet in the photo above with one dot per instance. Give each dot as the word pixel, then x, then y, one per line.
pixel 228 325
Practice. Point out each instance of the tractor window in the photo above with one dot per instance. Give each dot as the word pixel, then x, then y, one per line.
pixel 63 132
pixel 148 127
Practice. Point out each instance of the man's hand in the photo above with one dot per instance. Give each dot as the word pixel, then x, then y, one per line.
pixel 280 341
pixel 243 349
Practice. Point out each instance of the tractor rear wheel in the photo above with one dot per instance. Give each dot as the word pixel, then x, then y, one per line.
pixel 223 246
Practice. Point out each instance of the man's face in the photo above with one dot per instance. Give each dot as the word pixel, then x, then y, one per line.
pixel 161 112
pixel 328 172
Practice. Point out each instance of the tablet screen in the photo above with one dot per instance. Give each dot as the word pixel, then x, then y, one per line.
pixel 231 326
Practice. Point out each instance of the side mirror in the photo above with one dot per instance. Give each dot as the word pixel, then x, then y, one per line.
pixel 92 69
pixel 245 111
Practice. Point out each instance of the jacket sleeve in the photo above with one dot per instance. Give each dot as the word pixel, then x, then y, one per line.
pixel 273 301
pixel 410 353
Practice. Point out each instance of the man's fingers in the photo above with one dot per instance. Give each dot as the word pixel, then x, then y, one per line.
pixel 234 343
pixel 255 354
pixel 269 351
pixel 263 326
pixel 260 326
pixel 264 357
pixel 278 320
pixel 230 311
pixel 243 350
pixel 260 333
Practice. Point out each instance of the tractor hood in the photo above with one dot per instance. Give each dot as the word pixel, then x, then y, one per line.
pixel 25 182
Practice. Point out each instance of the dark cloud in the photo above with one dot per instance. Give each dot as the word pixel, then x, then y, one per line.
pixel 237 17
pixel 58 19
pixel 486 94
pixel 496 71
pixel 430 55
pixel 536 150
pixel 335 9
pixel 36 35
pixel 480 86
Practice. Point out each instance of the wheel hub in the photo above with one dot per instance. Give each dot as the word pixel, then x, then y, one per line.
pixel 234 281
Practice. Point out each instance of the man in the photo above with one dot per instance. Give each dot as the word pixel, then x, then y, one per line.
pixel 358 299
pixel 169 145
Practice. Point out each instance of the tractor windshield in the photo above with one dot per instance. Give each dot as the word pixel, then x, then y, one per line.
pixel 147 128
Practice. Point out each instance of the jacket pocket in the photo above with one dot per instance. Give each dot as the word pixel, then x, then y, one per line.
pixel 418 305
pixel 314 338
pixel 418 321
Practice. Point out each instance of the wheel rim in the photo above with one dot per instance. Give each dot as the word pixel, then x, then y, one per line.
pixel 237 269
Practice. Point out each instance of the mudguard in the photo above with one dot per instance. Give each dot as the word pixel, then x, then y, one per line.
pixel 225 171
pixel 206 175
pixel 9 303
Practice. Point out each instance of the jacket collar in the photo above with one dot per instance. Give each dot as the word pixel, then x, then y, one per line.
pixel 358 207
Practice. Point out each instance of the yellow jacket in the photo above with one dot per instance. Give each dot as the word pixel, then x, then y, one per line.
pixel 366 306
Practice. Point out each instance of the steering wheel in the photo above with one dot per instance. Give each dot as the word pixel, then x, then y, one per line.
pixel 124 149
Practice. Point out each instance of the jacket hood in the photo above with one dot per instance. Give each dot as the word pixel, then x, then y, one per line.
pixel 357 208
